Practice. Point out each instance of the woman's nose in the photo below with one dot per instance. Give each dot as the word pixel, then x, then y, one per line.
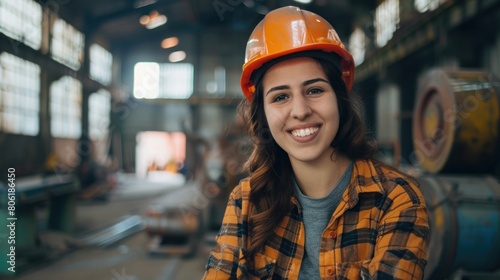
pixel 300 108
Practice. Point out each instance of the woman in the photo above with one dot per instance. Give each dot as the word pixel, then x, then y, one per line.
pixel 317 204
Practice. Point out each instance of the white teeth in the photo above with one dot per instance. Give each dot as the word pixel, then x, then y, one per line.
pixel 304 132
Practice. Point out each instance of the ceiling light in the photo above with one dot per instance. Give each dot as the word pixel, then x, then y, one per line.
pixel 177 56
pixel 153 20
pixel 303 1
pixel 144 20
pixel 169 42
pixel 156 22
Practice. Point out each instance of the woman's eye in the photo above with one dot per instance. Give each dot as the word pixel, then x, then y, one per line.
pixel 315 91
pixel 280 97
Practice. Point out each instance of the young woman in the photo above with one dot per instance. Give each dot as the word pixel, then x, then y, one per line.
pixel 317 204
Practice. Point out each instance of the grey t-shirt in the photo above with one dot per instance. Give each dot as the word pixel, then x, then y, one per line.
pixel 316 213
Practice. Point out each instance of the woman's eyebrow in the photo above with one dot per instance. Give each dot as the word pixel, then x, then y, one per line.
pixel 277 88
pixel 312 81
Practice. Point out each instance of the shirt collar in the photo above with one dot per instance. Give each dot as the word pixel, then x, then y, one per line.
pixel 367 177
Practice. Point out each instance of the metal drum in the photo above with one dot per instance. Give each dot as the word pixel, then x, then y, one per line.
pixel 456 121
pixel 464 217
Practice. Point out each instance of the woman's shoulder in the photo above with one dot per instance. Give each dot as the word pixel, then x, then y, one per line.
pixel 240 197
pixel 242 190
pixel 391 180
pixel 384 171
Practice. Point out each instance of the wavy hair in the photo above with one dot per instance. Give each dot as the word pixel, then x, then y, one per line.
pixel 270 166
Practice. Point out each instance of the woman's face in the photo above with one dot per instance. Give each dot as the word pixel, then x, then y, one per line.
pixel 301 109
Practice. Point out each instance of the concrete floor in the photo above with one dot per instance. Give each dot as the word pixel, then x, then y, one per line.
pixel 128 259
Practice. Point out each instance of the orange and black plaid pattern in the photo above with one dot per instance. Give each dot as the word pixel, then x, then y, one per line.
pixel 378 231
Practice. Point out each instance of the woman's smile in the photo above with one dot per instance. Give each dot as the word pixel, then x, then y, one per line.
pixel 303 132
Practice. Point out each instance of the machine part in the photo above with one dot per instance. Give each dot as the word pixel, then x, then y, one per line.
pixel 57 193
pixel 107 236
pixel 171 221
pixel 174 223
pixel 464 218
pixel 172 231
pixel 456 121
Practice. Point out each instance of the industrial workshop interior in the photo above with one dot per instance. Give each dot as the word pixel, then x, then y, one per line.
pixel 121 139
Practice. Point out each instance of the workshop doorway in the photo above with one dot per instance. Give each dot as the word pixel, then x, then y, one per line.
pixel 160 152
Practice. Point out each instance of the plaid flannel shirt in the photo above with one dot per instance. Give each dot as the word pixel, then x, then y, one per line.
pixel 378 231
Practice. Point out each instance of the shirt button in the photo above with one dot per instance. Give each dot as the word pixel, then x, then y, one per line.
pixel 330 271
pixel 333 234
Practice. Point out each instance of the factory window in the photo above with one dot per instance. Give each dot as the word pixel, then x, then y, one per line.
pixel 22 21
pixel 67 44
pixel 19 95
pixel 66 108
pixel 176 80
pixel 357 45
pixel 147 80
pixel 167 80
pixel 427 5
pixel 99 108
pixel 100 64
pixel 217 87
pixel 386 21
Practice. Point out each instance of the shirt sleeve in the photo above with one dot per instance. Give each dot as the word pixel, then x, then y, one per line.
pixel 224 258
pixel 401 249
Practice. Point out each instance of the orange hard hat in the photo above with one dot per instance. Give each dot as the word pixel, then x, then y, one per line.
pixel 289 30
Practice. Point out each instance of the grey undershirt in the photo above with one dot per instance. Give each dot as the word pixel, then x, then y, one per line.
pixel 316 213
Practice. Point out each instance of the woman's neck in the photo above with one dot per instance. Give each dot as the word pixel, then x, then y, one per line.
pixel 317 180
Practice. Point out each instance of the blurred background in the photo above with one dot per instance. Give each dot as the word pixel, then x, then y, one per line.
pixel 120 139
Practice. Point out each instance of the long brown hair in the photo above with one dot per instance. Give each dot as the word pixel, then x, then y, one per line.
pixel 270 167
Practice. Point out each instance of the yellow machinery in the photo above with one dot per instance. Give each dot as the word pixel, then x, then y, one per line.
pixel 456 138
pixel 456 121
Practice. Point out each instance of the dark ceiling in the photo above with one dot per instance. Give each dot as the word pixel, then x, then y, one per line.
pixel 118 20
